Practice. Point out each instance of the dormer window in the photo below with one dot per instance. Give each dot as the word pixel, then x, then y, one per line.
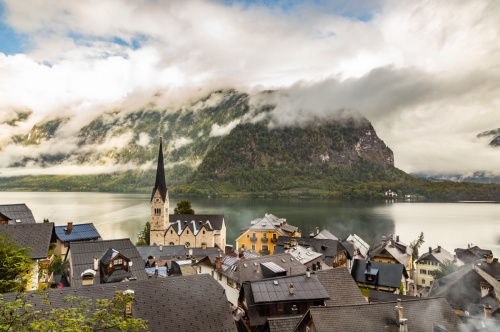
pixel 118 262
pixel 114 266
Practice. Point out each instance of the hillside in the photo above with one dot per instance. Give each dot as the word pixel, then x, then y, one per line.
pixel 216 146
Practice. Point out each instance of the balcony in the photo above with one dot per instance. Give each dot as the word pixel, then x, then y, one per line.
pixel 253 239
pixel 46 262
pixel 274 240
pixel 264 239
pixel 264 252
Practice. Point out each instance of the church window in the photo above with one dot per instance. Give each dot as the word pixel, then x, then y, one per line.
pixel 171 232
pixel 203 231
pixel 187 244
pixel 157 211
pixel 187 232
pixel 171 244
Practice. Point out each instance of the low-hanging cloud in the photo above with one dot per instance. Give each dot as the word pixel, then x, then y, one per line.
pixel 426 74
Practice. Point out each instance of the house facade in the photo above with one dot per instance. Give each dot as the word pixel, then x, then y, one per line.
pixel 431 261
pixel 263 235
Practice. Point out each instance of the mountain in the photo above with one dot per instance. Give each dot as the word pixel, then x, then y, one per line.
pixel 221 144
pixel 494 135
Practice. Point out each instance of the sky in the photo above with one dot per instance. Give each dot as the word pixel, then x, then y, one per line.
pixel 426 73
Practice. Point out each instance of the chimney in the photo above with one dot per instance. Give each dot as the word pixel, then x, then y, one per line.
pixel 69 227
pixel 308 273
pixel 430 250
pixel 392 243
pixel 485 289
pixel 489 258
pixel 311 234
pixel 317 230
pixel 455 259
pixel 439 249
pixel 218 262
pixel 241 252
pixel 286 245
pixel 256 267
pixel 128 305
pixel 403 327
pixel 487 311
pixel 160 247
pixel 397 238
pixel 96 263
pixel 193 260
pixel 292 289
pixel 190 252
pixel 294 309
pixel 293 242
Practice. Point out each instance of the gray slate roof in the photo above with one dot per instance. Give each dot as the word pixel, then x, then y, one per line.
pixel 79 232
pixel 277 289
pixel 211 222
pixel 246 270
pixel 35 235
pixel 17 213
pixel 175 304
pixel 282 324
pixel 174 252
pixel 327 247
pixel 340 286
pixel 83 253
pixel 378 296
pixel 438 254
pixel 398 250
pixel 471 254
pixel 389 275
pixel 422 314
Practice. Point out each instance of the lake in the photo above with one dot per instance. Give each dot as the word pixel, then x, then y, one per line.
pixel 450 225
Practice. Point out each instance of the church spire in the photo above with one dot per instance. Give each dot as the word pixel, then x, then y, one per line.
pixel 160 183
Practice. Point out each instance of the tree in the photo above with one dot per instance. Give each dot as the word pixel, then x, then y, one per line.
pixel 445 268
pixel 59 265
pixel 415 245
pixel 184 207
pixel 143 236
pixel 78 314
pixel 15 266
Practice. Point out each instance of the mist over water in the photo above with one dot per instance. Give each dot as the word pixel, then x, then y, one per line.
pixel 450 225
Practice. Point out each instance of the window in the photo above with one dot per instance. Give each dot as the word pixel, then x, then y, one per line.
pixel 220 276
pixel 253 246
pixel 203 231
pixel 187 232
pixel 118 261
pixel 423 281
pixel 280 306
pixel 422 271
pixel 274 235
pixel 254 235
pixel 199 269
pixel 171 244
pixel 265 247
pixel 157 211
pixel 187 244
pixel 171 232
pixel 248 236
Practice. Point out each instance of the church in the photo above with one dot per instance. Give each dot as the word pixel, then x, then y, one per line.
pixel 190 230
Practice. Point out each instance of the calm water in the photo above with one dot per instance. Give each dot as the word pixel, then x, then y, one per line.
pixel 450 225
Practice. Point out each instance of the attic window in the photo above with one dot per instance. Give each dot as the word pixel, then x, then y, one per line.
pixel 187 232
pixel 118 262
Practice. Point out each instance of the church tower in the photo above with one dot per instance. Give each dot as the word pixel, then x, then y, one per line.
pixel 159 204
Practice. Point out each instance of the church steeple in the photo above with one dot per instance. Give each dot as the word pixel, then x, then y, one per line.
pixel 159 203
pixel 160 183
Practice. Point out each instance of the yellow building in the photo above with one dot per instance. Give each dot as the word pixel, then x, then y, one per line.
pixel 431 261
pixel 262 236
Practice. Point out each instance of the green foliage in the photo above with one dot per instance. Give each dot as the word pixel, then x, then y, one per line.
pixel 183 207
pixel 79 315
pixel 15 266
pixel 59 265
pixel 445 268
pixel 415 245
pixel 143 238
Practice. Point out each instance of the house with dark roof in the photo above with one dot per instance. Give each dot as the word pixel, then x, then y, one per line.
pixel 471 288
pixel 376 296
pixel 38 237
pixel 432 261
pixel 472 254
pixel 281 323
pixel 231 272
pixel 73 233
pixel 13 214
pixel 333 253
pixel 177 304
pixel 274 297
pixel 340 286
pixel 382 276
pixel 196 231
pixel 391 250
pixel 418 315
pixel 100 262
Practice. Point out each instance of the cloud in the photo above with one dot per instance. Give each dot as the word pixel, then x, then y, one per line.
pixel 426 73
pixel 218 130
